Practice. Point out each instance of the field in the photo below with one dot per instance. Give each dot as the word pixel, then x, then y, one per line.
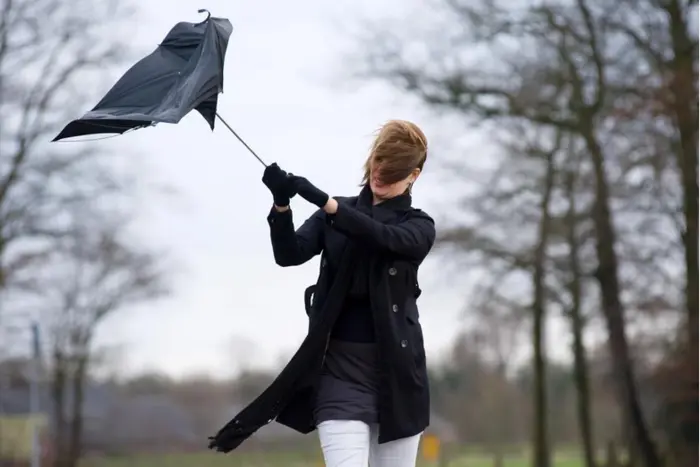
pixel 299 460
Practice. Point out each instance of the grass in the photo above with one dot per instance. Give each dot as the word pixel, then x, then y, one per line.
pixel 15 435
pixel 280 459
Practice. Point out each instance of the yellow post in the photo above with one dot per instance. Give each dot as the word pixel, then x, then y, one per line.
pixel 431 448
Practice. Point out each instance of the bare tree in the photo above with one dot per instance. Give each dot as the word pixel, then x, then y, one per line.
pixel 520 196
pixel 576 285
pixel 64 246
pixel 49 51
pixel 94 274
pixel 541 453
pixel 572 67
pixel 662 35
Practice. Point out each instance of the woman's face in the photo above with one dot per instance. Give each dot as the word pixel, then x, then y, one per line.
pixel 389 190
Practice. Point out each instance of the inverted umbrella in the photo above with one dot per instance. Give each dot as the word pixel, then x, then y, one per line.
pixel 185 72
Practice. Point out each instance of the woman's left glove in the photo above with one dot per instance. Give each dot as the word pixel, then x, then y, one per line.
pixel 309 192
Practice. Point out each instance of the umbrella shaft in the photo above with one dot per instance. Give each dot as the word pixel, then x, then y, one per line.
pixel 240 139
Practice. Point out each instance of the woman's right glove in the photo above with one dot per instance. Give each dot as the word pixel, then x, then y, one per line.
pixel 309 191
pixel 280 184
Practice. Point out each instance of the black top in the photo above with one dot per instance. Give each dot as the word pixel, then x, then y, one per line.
pixel 355 323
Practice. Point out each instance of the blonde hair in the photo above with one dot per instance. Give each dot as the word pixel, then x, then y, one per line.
pixel 399 148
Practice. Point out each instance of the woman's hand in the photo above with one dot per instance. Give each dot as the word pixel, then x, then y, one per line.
pixel 331 206
pixel 280 185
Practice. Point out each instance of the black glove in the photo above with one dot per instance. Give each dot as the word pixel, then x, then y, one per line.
pixel 279 183
pixel 309 192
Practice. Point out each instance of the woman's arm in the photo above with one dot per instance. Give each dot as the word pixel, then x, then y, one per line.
pixel 412 238
pixel 292 248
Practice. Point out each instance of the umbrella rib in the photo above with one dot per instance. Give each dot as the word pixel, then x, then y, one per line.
pixel 240 139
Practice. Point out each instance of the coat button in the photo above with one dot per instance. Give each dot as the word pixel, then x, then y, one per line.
pixel 392 271
pixel 404 343
pixel 394 308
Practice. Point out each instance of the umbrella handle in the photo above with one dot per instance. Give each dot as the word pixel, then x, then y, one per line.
pixel 240 139
pixel 208 15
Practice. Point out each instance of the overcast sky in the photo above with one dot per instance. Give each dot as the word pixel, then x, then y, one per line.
pixel 285 95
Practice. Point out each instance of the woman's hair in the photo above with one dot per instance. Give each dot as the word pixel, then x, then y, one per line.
pixel 399 148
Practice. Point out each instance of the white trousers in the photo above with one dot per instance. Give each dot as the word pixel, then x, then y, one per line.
pixel 348 443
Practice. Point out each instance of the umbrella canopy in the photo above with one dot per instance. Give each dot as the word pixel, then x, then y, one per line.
pixel 185 72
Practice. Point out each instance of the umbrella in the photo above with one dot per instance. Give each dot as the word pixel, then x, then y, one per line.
pixel 185 72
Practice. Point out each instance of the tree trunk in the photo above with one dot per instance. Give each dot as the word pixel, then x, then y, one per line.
pixel 583 405
pixel 541 435
pixel 611 457
pixel 685 99
pixel 75 442
pixel 58 400
pixel 607 276
pixel 2 259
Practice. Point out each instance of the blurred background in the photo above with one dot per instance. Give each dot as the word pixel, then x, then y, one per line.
pixel 140 306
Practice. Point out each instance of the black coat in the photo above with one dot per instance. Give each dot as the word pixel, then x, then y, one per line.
pixel 399 238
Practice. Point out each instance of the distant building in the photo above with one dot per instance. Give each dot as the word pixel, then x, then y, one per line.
pixel 112 422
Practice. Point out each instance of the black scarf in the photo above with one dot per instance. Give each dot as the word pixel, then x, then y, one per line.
pixel 359 288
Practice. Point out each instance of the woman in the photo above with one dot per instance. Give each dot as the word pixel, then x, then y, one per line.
pixel 360 375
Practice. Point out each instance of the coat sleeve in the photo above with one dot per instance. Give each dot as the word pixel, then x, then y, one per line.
pixel 412 238
pixel 292 248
